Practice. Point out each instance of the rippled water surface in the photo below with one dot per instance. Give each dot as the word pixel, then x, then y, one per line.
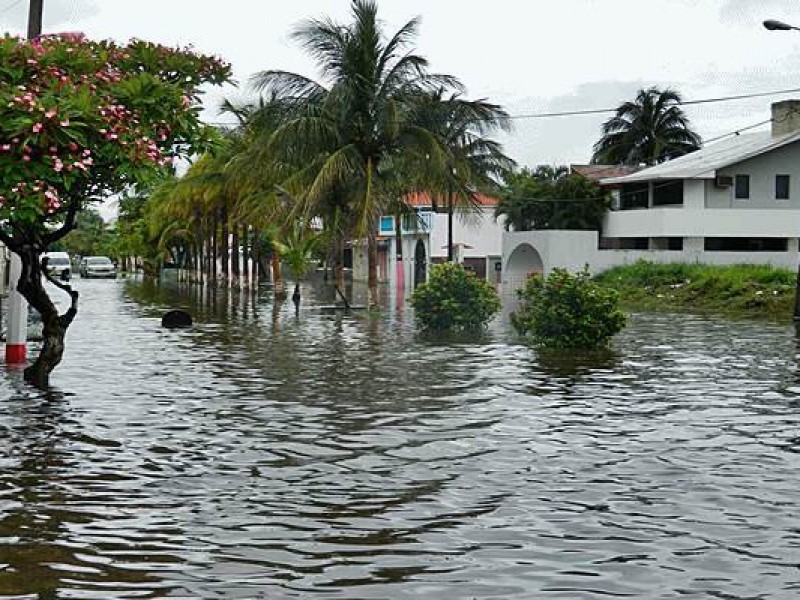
pixel 263 455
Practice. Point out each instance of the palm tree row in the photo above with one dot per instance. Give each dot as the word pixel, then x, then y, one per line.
pixel 335 153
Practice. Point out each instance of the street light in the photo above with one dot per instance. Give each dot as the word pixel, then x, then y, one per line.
pixel 774 25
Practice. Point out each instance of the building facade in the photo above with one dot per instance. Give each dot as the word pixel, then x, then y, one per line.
pixel 477 242
pixel 732 202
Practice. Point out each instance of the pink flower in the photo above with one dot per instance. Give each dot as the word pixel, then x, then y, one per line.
pixel 5 147
pixel 58 166
pixel 37 127
pixel 64 123
pixel 26 158
pixel 50 113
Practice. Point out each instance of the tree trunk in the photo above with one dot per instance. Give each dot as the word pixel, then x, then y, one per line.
pixel 372 269
pixel 246 257
pixel 277 277
pixel 54 325
pixel 338 262
pixel 225 246
pixel 449 228
pixel 797 297
pixel 235 270
pixel 398 249
pixel 255 255
pixel 209 256
pixel 214 271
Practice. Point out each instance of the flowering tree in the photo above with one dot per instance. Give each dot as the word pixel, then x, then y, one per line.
pixel 80 120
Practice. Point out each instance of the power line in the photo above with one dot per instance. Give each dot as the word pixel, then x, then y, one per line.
pixel 596 111
pixel 10 6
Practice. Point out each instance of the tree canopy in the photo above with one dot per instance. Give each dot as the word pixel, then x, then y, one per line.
pixel 81 120
pixel 648 130
pixel 551 198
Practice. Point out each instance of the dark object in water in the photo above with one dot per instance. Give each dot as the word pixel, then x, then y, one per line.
pixel 176 318
pixel 296 298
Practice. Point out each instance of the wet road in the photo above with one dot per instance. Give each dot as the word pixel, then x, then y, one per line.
pixel 263 455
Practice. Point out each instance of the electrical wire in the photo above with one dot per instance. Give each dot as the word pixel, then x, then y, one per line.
pixel 595 111
pixel 10 6
pixel 598 111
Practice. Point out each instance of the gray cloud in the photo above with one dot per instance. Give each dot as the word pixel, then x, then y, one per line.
pixel 57 13
pixel 569 139
pixel 755 11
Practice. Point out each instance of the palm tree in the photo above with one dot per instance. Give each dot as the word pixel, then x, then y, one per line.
pixel 651 129
pixel 474 164
pixel 255 174
pixel 355 120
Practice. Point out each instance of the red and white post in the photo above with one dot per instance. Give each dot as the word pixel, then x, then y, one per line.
pixel 16 317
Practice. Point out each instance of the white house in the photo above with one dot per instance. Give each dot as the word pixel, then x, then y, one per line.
pixel 477 240
pixel 734 201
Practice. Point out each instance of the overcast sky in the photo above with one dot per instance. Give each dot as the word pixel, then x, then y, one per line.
pixel 529 56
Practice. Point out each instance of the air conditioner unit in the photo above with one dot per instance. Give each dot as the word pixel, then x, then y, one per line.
pixel 722 181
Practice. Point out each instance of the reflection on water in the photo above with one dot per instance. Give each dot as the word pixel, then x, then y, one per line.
pixel 263 454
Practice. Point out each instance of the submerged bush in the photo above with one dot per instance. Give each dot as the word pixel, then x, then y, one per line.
pixel 454 298
pixel 567 310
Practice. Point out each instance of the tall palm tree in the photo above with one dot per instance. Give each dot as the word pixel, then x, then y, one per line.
pixel 474 163
pixel 355 118
pixel 649 130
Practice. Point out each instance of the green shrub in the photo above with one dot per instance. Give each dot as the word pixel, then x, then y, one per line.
pixel 568 311
pixel 454 298
pixel 731 289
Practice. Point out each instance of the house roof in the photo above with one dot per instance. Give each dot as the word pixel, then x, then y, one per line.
pixel 703 163
pixel 423 199
pixel 598 172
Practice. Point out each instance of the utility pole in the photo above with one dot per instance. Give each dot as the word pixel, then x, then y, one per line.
pixel 35 12
pixel 17 316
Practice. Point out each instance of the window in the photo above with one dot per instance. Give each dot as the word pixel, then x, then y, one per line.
pixel 668 192
pixel 675 243
pixel 634 195
pixel 781 187
pixel 606 243
pixel 746 244
pixel 742 187
pixel 387 225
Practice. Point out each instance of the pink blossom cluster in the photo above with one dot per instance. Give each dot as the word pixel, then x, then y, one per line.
pixel 78 161
pixel 26 99
pixel 45 195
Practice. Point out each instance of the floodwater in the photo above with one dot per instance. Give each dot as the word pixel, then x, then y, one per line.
pixel 264 455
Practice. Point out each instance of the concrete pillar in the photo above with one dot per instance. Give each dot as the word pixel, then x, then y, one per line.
pixel 16 317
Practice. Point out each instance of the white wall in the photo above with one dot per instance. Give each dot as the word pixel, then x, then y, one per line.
pixel 677 221
pixel 762 170
pixel 478 230
pixel 574 249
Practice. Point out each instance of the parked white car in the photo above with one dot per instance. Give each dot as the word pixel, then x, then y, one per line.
pixel 58 264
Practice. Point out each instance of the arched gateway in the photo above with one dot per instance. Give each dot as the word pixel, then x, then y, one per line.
pixel 524 261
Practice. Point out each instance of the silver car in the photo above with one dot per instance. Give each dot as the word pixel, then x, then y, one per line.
pixel 97 266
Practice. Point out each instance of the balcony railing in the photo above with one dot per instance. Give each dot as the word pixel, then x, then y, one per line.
pixel 420 223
